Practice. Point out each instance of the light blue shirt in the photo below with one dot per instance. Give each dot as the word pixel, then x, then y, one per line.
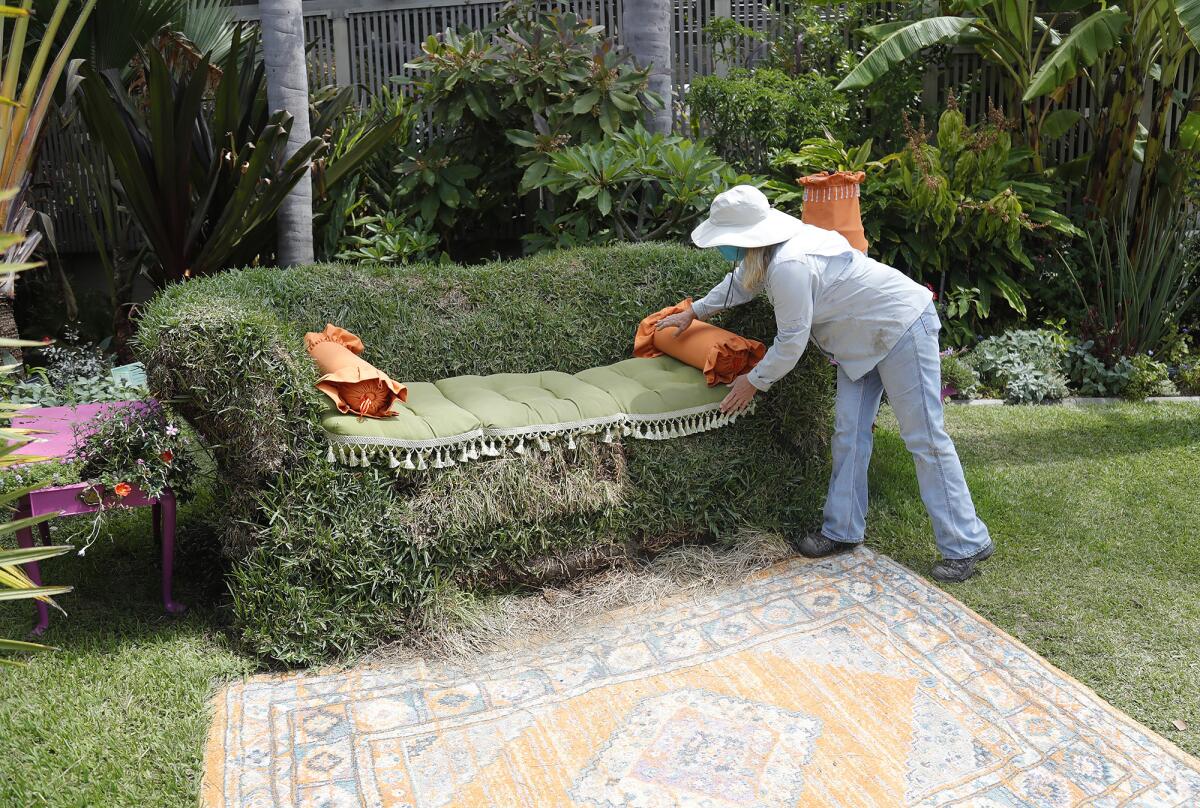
pixel 852 307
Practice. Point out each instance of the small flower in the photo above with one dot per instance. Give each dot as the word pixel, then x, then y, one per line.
pixel 122 489
pixel 167 456
pixel 172 430
pixel 141 462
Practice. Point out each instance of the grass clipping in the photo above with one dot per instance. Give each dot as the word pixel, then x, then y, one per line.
pixel 465 629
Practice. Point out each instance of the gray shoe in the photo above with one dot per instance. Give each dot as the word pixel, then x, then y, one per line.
pixel 816 545
pixel 957 570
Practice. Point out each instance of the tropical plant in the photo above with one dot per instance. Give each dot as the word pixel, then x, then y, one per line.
pixel 637 186
pixel 1143 72
pixel 826 153
pixel 15 583
pixel 732 41
pixel 959 211
pixel 1035 58
pixel 750 115
pixel 544 73
pixel 1143 287
pixel 207 201
pixel 380 128
pixel 388 239
pixel 119 31
pixel 26 92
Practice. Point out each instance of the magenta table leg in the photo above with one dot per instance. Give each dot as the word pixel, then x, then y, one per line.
pixel 25 539
pixel 164 526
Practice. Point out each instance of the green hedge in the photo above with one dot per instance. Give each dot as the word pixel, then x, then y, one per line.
pixel 330 560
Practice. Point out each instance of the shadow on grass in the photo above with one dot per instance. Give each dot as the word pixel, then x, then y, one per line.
pixel 1071 433
pixel 117 600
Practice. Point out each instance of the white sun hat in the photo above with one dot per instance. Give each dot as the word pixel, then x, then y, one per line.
pixel 742 217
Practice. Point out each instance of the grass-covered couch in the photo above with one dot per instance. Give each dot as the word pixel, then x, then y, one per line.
pixel 327 559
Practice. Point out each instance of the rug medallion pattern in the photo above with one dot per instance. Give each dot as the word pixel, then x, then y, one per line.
pixel 844 682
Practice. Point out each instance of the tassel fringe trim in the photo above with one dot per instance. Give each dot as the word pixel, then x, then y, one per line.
pixel 423 455
pixel 831 193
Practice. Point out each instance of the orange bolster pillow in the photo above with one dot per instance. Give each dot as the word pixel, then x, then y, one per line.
pixel 721 354
pixel 354 384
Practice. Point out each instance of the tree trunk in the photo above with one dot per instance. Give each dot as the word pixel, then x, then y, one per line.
pixel 287 89
pixel 8 331
pixel 646 32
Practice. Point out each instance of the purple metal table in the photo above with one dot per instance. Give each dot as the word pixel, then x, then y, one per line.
pixel 57 428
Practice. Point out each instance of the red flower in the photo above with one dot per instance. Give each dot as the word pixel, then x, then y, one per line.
pixel 167 456
pixel 929 286
pixel 122 489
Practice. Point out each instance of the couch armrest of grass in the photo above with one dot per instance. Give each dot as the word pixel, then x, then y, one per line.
pixel 230 370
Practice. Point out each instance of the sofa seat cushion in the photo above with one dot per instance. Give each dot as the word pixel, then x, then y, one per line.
pixel 464 418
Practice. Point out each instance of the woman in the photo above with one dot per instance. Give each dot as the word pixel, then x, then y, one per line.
pixel 881 328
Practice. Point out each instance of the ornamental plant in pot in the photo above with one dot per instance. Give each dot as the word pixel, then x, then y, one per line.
pixel 135 449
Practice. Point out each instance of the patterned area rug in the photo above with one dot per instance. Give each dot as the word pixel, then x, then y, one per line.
pixel 845 682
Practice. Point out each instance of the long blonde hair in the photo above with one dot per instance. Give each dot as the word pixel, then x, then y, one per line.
pixel 754 266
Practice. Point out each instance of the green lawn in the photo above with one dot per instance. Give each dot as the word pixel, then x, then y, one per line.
pixel 1095 512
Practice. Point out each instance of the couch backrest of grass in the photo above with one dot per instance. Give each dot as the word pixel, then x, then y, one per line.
pixel 328 559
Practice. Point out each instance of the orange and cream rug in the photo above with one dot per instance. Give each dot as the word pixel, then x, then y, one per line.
pixel 844 682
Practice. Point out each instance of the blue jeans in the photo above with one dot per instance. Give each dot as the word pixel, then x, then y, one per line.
pixel 911 374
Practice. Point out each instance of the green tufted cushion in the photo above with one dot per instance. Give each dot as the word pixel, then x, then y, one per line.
pixel 463 406
pixel 654 386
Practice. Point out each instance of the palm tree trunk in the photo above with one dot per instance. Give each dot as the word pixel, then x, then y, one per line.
pixel 8 331
pixel 287 89
pixel 646 32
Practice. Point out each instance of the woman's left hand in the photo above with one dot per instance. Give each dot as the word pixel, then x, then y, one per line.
pixel 741 393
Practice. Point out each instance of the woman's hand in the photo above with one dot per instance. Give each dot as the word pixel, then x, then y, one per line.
pixel 680 321
pixel 741 393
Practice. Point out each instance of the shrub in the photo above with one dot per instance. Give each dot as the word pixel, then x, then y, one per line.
pixel 328 559
pixel 749 115
pixel 540 73
pixel 1026 366
pixel 1187 379
pixel 635 186
pixel 1090 375
pixel 1150 378
pixel 959 210
pixel 958 374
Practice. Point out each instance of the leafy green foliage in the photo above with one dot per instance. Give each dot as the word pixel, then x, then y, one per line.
pixel 1091 376
pixel 1144 281
pixel 956 373
pixel 1025 366
pixel 137 445
pixel 959 212
pixel 902 43
pixel 330 559
pixel 635 186
pixel 749 115
pixel 1187 379
pixel 203 190
pixel 388 239
pixel 544 73
pixel 1149 378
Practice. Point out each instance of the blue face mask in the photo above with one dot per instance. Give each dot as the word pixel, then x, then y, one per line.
pixel 735 254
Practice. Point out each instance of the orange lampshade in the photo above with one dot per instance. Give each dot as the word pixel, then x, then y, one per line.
pixel 831 202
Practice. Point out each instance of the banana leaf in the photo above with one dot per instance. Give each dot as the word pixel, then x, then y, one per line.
pixel 900 45
pixel 1088 41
